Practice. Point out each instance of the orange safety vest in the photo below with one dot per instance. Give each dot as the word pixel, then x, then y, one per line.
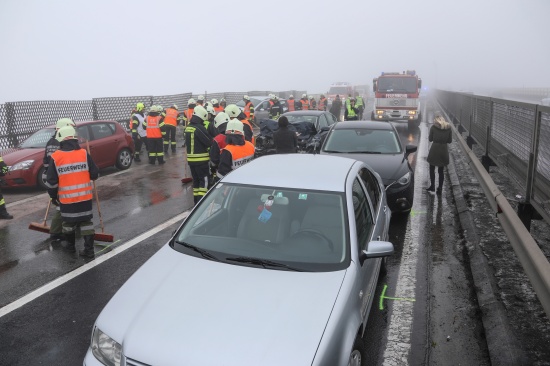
pixel 322 104
pixel 153 127
pixel 171 117
pixel 240 154
pixel 245 121
pixel 74 177
pixel 218 109
pixel 305 104
pixel 188 114
pixel 246 109
pixel 290 104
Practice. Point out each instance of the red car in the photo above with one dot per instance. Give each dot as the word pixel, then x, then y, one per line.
pixel 110 145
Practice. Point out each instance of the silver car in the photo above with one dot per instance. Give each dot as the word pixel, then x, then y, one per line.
pixel 276 265
pixel 261 107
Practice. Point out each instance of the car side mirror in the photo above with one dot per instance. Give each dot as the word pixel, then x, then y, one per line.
pixel 376 249
pixel 409 149
pixel 325 128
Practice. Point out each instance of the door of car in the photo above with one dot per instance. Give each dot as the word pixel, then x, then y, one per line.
pixel 366 227
pixel 261 111
pixel 103 145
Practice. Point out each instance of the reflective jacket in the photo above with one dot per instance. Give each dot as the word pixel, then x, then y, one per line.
pixel 74 178
pixel 197 142
pixel 154 125
pixel 171 117
pixel 187 114
pixel 323 104
pixel 249 110
pixel 218 109
pixel 305 104
pixel 290 104
pixel 248 131
pixel 238 155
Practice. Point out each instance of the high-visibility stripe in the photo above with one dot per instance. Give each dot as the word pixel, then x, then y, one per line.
pixel 77 186
pixel 76 214
pixel 76 194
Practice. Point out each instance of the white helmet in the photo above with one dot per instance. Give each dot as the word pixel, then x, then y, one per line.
pixel 153 108
pixel 201 112
pixel 64 122
pixel 175 106
pixel 304 95
pixel 210 109
pixel 191 101
pixel 246 97
pixel 291 96
pixel 201 98
pixel 214 101
pixel 220 119
pixel 271 96
pixel 233 110
pixel 65 133
pixel 234 127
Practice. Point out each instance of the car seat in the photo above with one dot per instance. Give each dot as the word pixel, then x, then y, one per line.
pixel 274 230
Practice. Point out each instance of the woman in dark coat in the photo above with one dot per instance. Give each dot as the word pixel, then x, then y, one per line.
pixel 336 107
pixel 441 136
pixel 285 140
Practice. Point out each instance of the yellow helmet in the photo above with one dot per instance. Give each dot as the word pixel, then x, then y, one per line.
pixel 234 127
pixel 140 106
pixel 191 101
pixel 233 110
pixel 200 112
pixel 65 133
pixel 64 122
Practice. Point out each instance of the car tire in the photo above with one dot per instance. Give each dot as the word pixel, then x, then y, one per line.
pixel 39 181
pixel 124 159
pixel 358 354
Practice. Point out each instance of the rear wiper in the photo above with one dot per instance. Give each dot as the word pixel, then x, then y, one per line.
pixel 203 252
pixel 262 262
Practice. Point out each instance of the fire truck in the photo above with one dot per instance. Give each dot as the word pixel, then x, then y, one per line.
pixel 397 96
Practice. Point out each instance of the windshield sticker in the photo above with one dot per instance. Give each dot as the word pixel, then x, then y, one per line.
pixel 302 196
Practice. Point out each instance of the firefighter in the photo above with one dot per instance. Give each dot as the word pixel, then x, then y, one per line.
pixel 237 152
pixel 305 102
pixel 217 107
pixel 198 141
pixel 200 100
pixel 155 128
pixel 70 176
pixel 351 113
pixel 312 103
pixel 4 215
pixel 248 108
pixel 290 103
pixel 223 103
pixel 360 106
pixel 138 131
pixel 220 123
pixel 170 122
pixel 209 123
pixel 276 109
pixel 235 112
pixel 322 103
pixel 298 105
pixel 188 113
pixel 56 228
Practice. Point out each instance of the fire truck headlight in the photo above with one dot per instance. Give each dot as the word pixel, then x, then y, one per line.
pixel 412 112
pixel 379 112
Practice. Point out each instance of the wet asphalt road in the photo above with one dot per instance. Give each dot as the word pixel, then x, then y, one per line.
pixel 426 278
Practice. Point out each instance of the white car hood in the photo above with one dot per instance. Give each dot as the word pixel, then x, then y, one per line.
pixel 182 310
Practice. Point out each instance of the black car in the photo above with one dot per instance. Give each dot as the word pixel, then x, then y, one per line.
pixel 378 145
pixel 310 126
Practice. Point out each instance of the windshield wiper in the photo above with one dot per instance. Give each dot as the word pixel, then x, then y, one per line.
pixel 367 152
pixel 262 262
pixel 203 252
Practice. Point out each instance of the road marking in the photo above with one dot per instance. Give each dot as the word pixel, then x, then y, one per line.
pixel 413 213
pixel 402 313
pixel 28 199
pixel 88 266
pixel 383 296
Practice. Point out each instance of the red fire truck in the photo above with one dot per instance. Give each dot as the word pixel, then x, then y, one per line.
pixel 397 96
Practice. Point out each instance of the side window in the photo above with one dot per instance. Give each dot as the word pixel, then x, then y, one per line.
pixel 83 134
pixel 363 215
pixel 322 122
pixel 331 119
pixel 371 183
pixel 101 130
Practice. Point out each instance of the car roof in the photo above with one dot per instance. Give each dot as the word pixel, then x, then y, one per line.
pixel 369 125
pixel 304 113
pixel 298 171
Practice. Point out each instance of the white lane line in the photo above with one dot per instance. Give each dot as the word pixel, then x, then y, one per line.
pixel 400 325
pixel 69 276
pixel 44 196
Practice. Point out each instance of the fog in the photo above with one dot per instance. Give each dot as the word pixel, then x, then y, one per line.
pixel 82 49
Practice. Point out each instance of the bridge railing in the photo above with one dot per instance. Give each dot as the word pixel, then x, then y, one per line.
pixel 515 136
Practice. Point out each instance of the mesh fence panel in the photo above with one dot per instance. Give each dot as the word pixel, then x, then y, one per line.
pixel 542 179
pixel 481 120
pixel 168 100
pixel 118 108
pixel 4 138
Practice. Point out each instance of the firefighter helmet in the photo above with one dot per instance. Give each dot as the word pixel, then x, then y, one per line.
pixel 191 101
pixel 214 101
pixel 246 97
pixel 304 95
pixel 220 119
pixel 174 106
pixel 291 96
pixel 64 122
pixel 234 127
pixel 65 133
pixel 200 112
pixel 200 98
pixel 210 109
pixel 140 106
pixel 233 110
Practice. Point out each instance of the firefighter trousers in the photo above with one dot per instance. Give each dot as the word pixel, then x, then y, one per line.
pixel 201 177
pixel 155 150
pixel 170 138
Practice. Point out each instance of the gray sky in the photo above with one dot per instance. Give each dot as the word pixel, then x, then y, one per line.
pixel 73 49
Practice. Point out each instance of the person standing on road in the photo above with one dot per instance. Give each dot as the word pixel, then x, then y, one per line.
pixel 322 103
pixel 138 131
pixel 70 176
pixel 170 122
pixel 305 102
pixel 223 103
pixel 56 228
pixel 290 103
pixel 312 103
pixel 198 142
pixel 284 139
pixel 440 136
pixel 235 112
pixel 217 107
pixel 248 109
pixel 4 215
pixel 237 152
pixel 360 104
pixel 220 123
pixel 154 125
pixel 336 107
pixel 276 109
pixel 351 112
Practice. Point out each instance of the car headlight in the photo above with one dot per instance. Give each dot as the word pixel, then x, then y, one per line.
pixel 22 165
pixel 105 349
pixel 404 179
pixel 379 112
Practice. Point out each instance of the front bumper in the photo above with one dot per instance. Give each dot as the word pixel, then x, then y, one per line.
pixel 19 178
pixel 395 115
pixel 400 199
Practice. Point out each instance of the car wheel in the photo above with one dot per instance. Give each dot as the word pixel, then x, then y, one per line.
pixel 40 181
pixel 124 159
pixel 358 357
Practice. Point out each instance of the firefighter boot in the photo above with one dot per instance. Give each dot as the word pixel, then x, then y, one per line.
pixel 88 251
pixel 4 215
pixel 137 159
pixel 68 242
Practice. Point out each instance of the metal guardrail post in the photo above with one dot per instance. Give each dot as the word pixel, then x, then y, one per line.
pixel 531 257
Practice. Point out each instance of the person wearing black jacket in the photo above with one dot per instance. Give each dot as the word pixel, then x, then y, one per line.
pixel 285 140
pixel 198 142
pixel 276 109
pixel 336 107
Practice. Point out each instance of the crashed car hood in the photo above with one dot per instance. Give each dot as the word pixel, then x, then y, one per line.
pixel 183 310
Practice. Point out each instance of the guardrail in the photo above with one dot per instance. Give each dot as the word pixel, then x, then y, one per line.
pixel 531 257
pixel 515 136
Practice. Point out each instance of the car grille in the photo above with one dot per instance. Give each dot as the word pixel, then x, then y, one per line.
pixel 130 362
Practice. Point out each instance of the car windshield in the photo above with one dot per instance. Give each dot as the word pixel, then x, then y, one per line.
pixel 362 140
pixel 300 118
pixel 392 84
pixel 342 90
pixel 302 229
pixel 39 139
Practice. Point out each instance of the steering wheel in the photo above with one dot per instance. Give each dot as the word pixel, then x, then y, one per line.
pixel 318 234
